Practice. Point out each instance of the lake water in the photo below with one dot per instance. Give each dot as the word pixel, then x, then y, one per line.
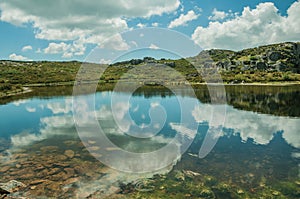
pixel 257 151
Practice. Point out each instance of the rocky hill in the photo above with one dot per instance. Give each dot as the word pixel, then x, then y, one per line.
pixel 271 63
pixel 281 57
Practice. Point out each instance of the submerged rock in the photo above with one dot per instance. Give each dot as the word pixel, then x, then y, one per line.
pixel 179 176
pixel 191 174
pixel 11 186
pixel 69 153
pixel 4 169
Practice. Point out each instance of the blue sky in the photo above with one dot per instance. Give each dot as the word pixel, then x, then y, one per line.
pixel 69 30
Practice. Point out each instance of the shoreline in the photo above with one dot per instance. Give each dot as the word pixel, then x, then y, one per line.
pixel 29 87
pixel 294 83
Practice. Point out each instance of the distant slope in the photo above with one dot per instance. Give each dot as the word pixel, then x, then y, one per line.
pixel 280 57
pixel 271 63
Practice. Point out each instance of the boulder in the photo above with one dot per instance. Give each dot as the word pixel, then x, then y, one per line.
pixel 11 186
pixel 261 65
pixel 275 56
pixel 69 153
pixel 280 66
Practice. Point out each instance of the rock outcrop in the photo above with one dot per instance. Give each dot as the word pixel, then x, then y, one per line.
pixel 281 57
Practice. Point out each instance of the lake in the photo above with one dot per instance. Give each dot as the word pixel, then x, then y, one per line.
pixel 149 142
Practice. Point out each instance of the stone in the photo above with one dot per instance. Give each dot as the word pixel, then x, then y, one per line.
pixel 71 181
pixel 191 174
pixel 69 153
pixel 49 148
pixel 11 186
pixel 275 56
pixel 112 149
pixel 91 142
pixel 261 65
pixel 70 142
pixel 280 66
pixel 36 182
pixel 4 169
pixel 62 157
pixel 93 148
pixel 18 166
pixel 70 172
pixel 240 191
pixel 179 176
pixel 33 187
pixel 53 171
pixel 275 193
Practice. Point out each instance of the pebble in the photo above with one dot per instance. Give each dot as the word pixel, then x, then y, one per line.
pixel 4 169
pixel 275 193
pixel 69 153
pixel 240 191
pixel 33 187
pixel 91 142
pixel 18 166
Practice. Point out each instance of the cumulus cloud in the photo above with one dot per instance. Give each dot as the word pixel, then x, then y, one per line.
pixel 155 24
pixel 90 22
pixel 153 46
pixel 19 102
pixel 140 25
pixel 26 48
pixel 30 109
pixel 55 48
pixel 115 42
pixel 61 107
pixel 254 27
pixel 218 15
pixel 16 57
pixel 56 125
pixel 183 19
pixel 67 50
pixel 105 61
pixel 260 127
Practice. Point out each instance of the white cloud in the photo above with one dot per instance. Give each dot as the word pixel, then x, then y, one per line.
pixel 140 25
pixel 19 102
pixel 67 50
pixel 259 127
pixel 76 20
pixel 26 48
pixel 104 61
pixel 153 46
pixel 259 26
pixel 61 107
pixel 183 19
pixel 56 48
pixel 55 125
pixel 155 24
pixel 134 44
pixel 30 109
pixel 16 57
pixel 38 50
pixel 116 43
pixel 218 15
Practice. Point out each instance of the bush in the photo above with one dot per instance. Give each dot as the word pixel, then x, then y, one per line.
pixel 5 87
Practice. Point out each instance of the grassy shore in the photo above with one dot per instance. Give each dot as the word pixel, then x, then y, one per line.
pixel 19 77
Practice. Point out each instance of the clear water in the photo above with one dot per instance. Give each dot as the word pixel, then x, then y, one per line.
pixel 257 153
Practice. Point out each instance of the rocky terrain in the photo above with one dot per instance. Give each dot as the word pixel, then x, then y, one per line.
pixel 271 58
pixel 264 64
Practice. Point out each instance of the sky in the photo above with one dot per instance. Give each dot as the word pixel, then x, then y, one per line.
pixel 71 29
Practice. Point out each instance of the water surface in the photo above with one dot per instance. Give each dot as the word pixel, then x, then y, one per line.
pixel 257 153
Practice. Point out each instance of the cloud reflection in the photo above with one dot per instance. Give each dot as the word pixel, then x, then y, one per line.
pixel 260 127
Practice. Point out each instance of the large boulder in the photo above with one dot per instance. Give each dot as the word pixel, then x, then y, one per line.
pixel 275 56
pixel 11 186
pixel 280 66
pixel 261 65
